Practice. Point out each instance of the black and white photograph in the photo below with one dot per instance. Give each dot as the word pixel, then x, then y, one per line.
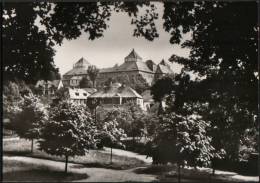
pixel 130 91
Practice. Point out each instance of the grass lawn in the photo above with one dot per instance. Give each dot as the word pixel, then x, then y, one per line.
pixel 95 158
pixel 21 171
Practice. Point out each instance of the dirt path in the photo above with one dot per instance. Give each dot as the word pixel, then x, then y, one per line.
pixel 95 174
pixel 121 152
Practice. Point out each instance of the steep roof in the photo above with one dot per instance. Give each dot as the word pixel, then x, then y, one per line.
pixel 81 63
pixel 80 67
pixel 128 66
pixel 116 90
pixel 163 69
pixel 133 54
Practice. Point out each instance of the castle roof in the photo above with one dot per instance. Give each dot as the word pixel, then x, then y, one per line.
pixel 81 63
pixel 134 55
pixel 79 68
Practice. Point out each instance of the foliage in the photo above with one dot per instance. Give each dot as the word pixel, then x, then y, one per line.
pixel 69 131
pixel 93 73
pixel 23 40
pixel 28 122
pixel 110 131
pixel 11 99
pixel 85 83
pixel 225 60
pixel 186 139
pixel 248 144
pixel 163 87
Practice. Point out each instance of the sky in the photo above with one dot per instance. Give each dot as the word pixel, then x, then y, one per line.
pixel 116 43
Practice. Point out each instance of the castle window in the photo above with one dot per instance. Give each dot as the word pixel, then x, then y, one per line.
pixel 77 94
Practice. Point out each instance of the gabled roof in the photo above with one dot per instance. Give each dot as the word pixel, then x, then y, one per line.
pixel 79 68
pixel 128 66
pixel 116 90
pixel 54 83
pixel 133 54
pixel 151 65
pixel 81 63
pixel 163 69
pixel 78 93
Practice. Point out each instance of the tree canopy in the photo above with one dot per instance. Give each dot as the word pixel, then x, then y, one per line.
pixel 70 131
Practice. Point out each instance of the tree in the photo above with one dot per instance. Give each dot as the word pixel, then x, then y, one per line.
pixel 136 128
pixel 27 55
pixel 93 73
pixel 70 131
pixel 110 131
pixel 28 122
pixel 11 98
pixel 161 88
pixel 225 59
pixel 183 140
pixel 85 83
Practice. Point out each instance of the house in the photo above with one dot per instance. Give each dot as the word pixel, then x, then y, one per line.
pixel 78 95
pixel 117 94
pixel 73 76
pixel 134 67
pixel 75 80
pixel 48 88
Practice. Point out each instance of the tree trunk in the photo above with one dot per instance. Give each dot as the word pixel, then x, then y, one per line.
pixel 32 146
pixel 160 108
pixel 66 164
pixel 111 155
pixel 179 173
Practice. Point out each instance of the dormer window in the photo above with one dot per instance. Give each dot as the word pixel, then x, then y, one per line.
pixel 84 94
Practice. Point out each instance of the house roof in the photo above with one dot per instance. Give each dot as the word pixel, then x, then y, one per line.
pixel 163 69
pixel 78 93
pixel 128 66
pixel 133 54
pixel 81 63
pixel 79 68
pixel 54 83
pixel 90 90
pixel 116 90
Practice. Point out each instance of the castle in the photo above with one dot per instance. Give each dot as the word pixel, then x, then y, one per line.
pixel 133 67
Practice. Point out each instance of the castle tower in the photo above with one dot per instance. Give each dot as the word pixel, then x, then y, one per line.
pixel 133 57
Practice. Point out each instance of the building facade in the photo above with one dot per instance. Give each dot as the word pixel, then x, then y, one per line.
pixel 116 95
pixel 48 88
pixel 75 75
pixel 135 68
